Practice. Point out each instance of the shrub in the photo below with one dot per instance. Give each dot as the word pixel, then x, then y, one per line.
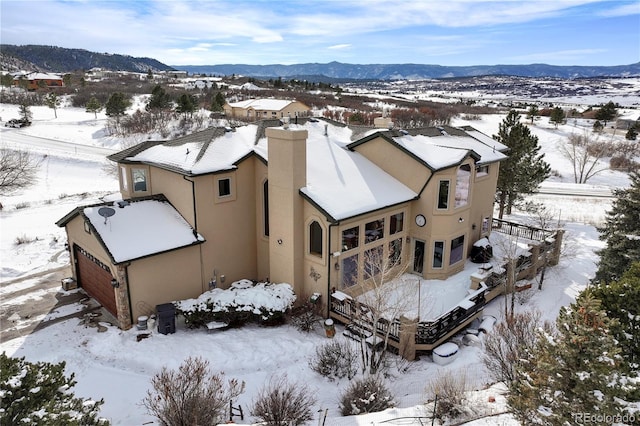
pixel 335 360
pixel 365 395
pixel 23 239
pixel 304 318
pixel 23 205
pixel 449 389
pixel 40 394
pixel 282 403
pixel 621 162
pixel 191 395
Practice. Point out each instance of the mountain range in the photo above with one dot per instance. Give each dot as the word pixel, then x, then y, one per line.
pixel 58 59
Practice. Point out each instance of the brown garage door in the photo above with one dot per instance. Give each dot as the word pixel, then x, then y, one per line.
pixel 95 278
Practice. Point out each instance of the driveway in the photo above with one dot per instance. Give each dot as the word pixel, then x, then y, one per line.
pixel 34 302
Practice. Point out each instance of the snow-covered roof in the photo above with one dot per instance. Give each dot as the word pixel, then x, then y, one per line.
pixel 340 181
pixel 263 104
pixel 154 225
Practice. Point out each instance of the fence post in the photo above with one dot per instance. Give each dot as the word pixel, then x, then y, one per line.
pixel 407 343
pixel 555 256
pixel 535 260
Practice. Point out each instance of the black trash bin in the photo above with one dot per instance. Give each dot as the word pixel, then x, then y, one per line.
pixel 166 318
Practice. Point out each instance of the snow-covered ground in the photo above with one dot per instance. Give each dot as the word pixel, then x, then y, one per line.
pixel 115 366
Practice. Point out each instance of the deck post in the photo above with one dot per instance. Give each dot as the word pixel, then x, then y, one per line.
pixel 407 345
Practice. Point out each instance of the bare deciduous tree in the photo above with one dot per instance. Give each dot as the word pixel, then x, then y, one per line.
pixel 18 170
pixel 511 342
pixel 386 295
pixel 283 403
pixel 585 154
pixel 192 395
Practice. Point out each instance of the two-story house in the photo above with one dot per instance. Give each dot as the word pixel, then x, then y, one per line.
pixel 304 203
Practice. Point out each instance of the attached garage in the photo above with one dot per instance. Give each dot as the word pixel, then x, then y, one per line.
pixel 95 278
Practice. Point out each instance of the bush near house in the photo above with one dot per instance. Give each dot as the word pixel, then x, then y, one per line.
pixel 244 301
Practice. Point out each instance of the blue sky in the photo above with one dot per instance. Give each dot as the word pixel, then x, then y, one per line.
pixel 451 32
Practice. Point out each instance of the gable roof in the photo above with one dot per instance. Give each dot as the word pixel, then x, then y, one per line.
pixel 263 104
pixel 153 223
pixel 341 182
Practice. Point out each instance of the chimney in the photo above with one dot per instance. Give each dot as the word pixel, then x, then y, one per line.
pixel 287 173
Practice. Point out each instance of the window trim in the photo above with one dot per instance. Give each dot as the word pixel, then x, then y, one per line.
pixel 460 179
pixel 232 188
pixel 433 257
pixel 452 248
pixel 144 171
pixel 313 241
pixel 440 198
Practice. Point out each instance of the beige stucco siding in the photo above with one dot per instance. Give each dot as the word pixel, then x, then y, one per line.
pixel 76 235
pixel 228 224
pixel 397 163
pixel 164 278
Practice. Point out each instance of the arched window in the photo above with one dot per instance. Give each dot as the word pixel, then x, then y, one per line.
pixel 315 238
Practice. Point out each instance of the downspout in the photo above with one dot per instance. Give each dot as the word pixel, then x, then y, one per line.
pixel 195 227
pixel 126 277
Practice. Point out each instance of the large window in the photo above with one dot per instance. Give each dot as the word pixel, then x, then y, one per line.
pixel 443 195
pixel 374 230
pixel 482 171
pixel 396 223
pixel 350 238
pixel 438 254
pixel 315 238
pixel 373 262
pixel 395 252
pixel 350 271
pixel 139 180
pixel 418 256
pixel 463 180
pixel 457 250
pixel 224 187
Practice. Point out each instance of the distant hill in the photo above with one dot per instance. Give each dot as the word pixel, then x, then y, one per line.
pixel 342 71
pixel 59 59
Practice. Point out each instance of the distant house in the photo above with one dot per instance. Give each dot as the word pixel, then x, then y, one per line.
pixel 262 109
pixel 305 204
pixel 627 123
pixel 35 80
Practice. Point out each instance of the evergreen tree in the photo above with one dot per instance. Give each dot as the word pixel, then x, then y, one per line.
pixel 25 112
pixel 607 112
pixel 621 300
pixel 117 105
pixel 533 112
pixel 218 102
pixel 94 106
pixel 159 100
pixel 621 232
pixel 39 394
pixel 574 370
pixel 52 102
pixel 598 126
pixel 557 116
pixel 7 80
pixel 524 169
pixel 186 104
pixel 632 134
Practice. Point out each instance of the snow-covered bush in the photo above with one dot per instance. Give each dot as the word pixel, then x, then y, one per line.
pixel 335 360
pixel 449 389
pixel 365 395
pixel 243 301
pixel 40 394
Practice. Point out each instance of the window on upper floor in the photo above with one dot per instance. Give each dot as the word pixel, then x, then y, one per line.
pixel 139 180
pixel 374 230
pixel 224 187
pixel 395 252
pixel 443 195
pixel 350 238
pixel 349 271
pixel 124 178
pixel 482 171
pixel 463 180
pixel 373 262
pixel 396 223
pixel 315 238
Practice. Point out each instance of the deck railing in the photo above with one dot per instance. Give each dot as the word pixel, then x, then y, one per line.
pixel 519 230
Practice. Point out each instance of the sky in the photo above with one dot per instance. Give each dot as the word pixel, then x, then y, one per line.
pixel 259 32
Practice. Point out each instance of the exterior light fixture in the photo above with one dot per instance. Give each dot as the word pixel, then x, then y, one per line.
pixel 115 283
pixel 460 220
pixel 280 241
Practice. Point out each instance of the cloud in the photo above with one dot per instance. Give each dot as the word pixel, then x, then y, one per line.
pixel 623 10
pixel 339 46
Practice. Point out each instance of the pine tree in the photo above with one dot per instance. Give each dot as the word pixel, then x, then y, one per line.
pixel 557 116
pixel 572 371
pixel 533 112
pixel 94 106
pixel 621 232
pixel 524 169
pixel 631 134
pixel 621 300
pixel 186 104
pixel 117 105
pixel 39 394
pixel 159 99
pixel 607 113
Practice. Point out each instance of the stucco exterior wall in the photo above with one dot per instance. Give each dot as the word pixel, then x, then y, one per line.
pixel 164 278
